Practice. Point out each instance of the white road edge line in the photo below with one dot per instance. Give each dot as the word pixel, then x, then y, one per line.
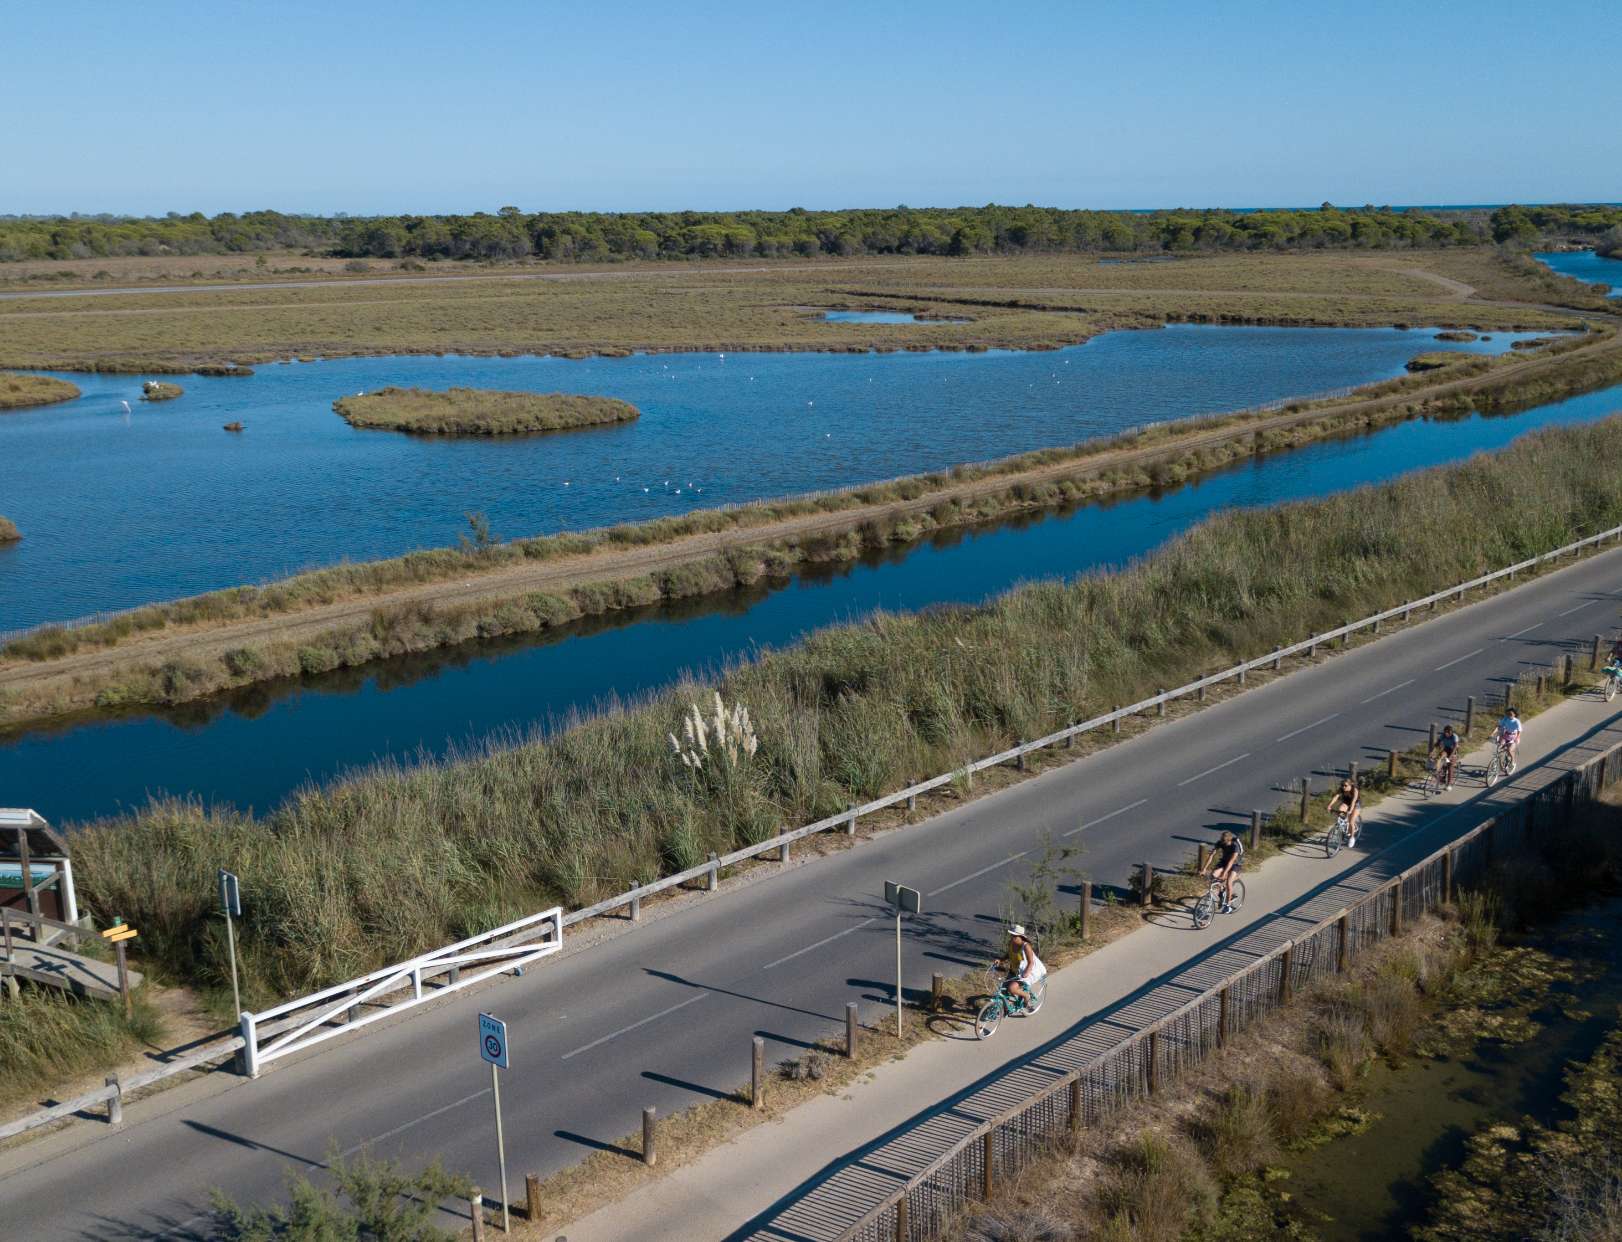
pixel 626 1030
pixel 1218 768
pixel 818 945
pixel 1304 728
pixel 1383 693
pixel 1527 630
pixel 975 875
pixel 1460 659
pixel 1095 822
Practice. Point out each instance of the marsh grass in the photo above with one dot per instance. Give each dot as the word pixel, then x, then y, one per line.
pixel 396 860
pixel 478 411
pixel 20 391
pixel 47 1037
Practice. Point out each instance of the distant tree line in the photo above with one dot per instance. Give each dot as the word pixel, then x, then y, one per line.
pixel 596 236
pixel 1556 220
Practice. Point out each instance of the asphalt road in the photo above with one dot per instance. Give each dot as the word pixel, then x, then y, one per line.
pixel 663 1016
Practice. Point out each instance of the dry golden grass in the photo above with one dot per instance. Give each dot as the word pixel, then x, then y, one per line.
pixel 20 391
pixel 479 412
pixel 1018 302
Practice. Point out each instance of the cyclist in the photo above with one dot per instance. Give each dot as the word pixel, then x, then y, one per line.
pixel 1224 865
pixel 1030 970
pixel 1348 800
pixel 1508 734
pixel 1446 755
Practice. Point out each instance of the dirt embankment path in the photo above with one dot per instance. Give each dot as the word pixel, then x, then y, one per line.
pixel 562 573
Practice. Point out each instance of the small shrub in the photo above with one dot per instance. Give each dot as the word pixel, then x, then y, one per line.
pixel 1295 1101
pixel 1235 1132
pixel 812 1067
pixel 313 660
pixel 244 661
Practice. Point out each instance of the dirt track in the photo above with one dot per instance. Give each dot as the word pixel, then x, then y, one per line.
pixel 559 575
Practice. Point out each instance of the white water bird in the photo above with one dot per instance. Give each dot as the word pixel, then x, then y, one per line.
pixel 126 406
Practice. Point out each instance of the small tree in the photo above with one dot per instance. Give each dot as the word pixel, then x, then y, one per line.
pixel 482 541
pixel 371 1200
pixel 1034 902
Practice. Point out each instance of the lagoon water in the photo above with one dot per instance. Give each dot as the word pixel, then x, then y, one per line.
pixel 1588 266
pixel 256 747
pixel 121 509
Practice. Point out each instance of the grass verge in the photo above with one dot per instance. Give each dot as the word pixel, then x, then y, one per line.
pixel 478 411
pixel 47 1038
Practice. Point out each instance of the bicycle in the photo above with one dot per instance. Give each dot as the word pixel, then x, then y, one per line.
pixel 1433 778
pixel 1501 764
pixel 1005 1004
pixel 1613 682
pixel 1206 907
pixel 1336 837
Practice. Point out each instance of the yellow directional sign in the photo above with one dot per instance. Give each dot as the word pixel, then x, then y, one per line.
pixel 114 934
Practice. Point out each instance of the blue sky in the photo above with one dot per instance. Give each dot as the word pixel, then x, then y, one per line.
pixel 366 107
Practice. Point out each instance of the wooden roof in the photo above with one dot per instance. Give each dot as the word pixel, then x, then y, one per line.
pixel 42 838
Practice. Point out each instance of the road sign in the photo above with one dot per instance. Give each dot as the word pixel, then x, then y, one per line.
pixel 493 1040
pixel 230 894
pixel 118 932
pixel 905 900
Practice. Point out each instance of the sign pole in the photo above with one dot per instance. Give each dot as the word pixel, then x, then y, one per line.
pixel 231 940
pixel 501 1148
pixel 898 972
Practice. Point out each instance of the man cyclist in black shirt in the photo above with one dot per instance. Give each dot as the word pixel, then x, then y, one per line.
pixel 1226 859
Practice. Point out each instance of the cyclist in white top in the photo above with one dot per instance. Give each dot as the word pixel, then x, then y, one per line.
pixel 1031 971
pixel 1508 733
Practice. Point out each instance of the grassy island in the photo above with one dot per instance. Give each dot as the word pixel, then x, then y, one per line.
pixel 20 391
pixel 157 390
pixel 8 531
pixel 479 411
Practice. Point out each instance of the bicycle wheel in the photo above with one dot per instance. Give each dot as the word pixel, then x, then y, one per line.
pixel 1238 894
pixel 1204 910
pixel 1334 838
pixel 1433 781
pixel 1495 769
pixel 1610 688
pixel 985 1024
pixel 1038 994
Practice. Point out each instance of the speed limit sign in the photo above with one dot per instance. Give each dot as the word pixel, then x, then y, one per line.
pixel 493 1040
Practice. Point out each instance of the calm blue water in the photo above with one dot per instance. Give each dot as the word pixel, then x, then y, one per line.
pixel 253 750
pixel 870 317
pixel 120 509
pixel 1586 265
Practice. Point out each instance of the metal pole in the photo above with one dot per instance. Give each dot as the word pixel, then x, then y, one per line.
pixel 898 972
pixel 231 940
pixel 501 1149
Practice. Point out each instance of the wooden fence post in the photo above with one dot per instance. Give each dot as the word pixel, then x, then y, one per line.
pixel 1115 725
pixel 475 1204
pixel 1154 1061
pixel 1148 882
pixel 1075 1104
pixel 636 909
pixel 1351 771
pixel 782 850
pixel 1086 908
pixel 1447 876
pixel 988 1161
pixel 1020 763
pixel 1160 707
pixel 912 803
pixel 1593 658
pixel 532 1198
pixel 1285 961
pixel 1469 714
pixel 1391 763
pixel 713 881
pixel 1432 743
pixel 757 1073
pixel 650 1150
pixel 1222 1018
pixel 903 1230
pixel 1306 794
pixel 850 1030
pixel 850 825
pixel 115 1103
pixel 1255 829
pixel 1396 907
pixel 1200 695
pixel 1342 937
pixel 1201 854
